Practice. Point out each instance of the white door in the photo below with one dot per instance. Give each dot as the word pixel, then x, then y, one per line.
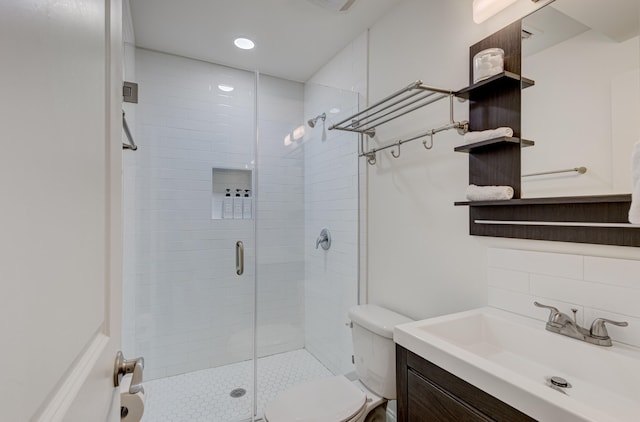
pixel 60 199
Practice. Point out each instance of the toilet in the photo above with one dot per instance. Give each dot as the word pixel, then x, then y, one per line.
pixel 336 399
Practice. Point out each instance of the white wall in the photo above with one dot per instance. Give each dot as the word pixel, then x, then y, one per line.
pixel 422 262
pixel 581 123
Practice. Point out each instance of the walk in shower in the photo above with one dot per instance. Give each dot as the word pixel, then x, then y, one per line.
pixel 225 156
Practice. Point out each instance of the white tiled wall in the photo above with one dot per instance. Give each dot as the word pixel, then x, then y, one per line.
pixel 191 310
pixel 280 212
pixel 596 286
pixel 331 201
pixel 347 71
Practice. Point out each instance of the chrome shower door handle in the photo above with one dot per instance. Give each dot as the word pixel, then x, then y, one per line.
pixel 239 257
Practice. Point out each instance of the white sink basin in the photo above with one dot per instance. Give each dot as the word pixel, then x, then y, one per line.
pixel 512 357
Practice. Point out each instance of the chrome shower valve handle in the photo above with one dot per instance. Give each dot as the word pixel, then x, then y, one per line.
pixel 324 239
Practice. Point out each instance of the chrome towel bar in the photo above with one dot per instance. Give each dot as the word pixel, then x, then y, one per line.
pixel 131 145
pixel 558 223
pixel 414 96
pixel 579 170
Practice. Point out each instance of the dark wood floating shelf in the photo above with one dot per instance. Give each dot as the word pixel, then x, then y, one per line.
pixel 493 142
pixel 601 219
pixel 594 199
pixel 495 82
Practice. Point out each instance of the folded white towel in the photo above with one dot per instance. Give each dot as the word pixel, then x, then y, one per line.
pixel 483 135
pixel 634 211
pixel 489 193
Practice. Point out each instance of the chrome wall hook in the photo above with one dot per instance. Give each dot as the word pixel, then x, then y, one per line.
pixel 394 153
pixel 424 143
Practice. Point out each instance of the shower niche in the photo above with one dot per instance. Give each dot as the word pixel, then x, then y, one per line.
pixel 232 194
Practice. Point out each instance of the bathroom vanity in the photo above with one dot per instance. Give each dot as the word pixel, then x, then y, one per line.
pixel 488 364
pixel 427 392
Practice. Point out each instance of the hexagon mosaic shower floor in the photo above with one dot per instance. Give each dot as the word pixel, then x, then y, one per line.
pixel 204 396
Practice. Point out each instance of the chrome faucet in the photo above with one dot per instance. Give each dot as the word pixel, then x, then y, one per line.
pixel 562 323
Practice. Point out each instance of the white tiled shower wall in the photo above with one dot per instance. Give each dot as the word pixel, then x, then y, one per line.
pixel 331 201
pixel 191 310
pixel 596 286
pixel 280 212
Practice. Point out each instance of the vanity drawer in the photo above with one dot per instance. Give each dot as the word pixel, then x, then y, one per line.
pixel 427 392
pixel 429 402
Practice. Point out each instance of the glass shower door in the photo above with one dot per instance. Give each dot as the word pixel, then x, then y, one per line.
pixel 225 156
pixel 307 179
pixel 188 200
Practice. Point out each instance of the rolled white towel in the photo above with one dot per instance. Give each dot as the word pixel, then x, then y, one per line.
pixel 634 211
pixel 489 193
pixel 483 135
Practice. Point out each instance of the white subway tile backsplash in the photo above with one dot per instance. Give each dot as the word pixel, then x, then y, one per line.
pixel 599 296
pixel 620 272
pixel 600 287
pixel 522 304
pixel 559 265
pixel 517 281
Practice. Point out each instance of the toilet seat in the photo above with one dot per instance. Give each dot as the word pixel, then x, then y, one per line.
pixel 327 399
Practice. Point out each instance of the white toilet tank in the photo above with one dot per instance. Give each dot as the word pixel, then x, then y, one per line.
pixel 374 349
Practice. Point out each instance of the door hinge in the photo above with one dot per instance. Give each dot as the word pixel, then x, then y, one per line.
pixel 130 92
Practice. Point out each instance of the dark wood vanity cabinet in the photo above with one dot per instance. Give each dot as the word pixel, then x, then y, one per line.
pixel 428 393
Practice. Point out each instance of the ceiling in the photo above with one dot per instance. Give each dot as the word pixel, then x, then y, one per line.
pixel 564 19
pixel 617 19
pixel 293 38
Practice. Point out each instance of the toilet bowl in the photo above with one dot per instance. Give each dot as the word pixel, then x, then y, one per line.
pixel 336 399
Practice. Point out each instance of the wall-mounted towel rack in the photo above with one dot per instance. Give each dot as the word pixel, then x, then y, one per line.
pixel 406 100
pixel 579 170
pixel 131 145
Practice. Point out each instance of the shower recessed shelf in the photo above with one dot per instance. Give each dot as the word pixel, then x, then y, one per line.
pixel 232 181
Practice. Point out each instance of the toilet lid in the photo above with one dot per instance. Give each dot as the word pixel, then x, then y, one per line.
pixel 327 399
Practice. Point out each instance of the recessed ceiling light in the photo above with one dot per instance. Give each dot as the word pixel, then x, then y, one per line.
pixel 334 110
pixel 225 88
pixel 244 43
